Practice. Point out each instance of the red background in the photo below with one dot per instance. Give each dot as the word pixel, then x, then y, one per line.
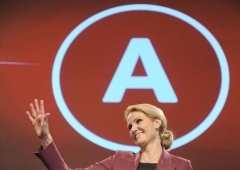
pixel 32 32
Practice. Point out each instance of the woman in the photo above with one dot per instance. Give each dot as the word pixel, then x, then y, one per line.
pixel 147 127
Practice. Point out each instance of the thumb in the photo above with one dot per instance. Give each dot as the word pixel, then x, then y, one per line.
pixel 46 116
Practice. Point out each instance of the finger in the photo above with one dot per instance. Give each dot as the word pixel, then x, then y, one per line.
pixel 29 116
pixel 36 106
pixel 41 109
pixel 34 114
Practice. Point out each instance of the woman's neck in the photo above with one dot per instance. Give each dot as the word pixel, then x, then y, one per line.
pixel 151 154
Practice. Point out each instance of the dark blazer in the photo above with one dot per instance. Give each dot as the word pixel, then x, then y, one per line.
pixel 121 160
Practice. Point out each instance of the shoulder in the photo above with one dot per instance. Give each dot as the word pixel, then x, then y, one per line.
pixel 125 154
pixel 177 161
pixel 121 160
pixel 180 162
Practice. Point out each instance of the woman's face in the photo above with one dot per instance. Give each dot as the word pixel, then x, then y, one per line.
pixel 143 129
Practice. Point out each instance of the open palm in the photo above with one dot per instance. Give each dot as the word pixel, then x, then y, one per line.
pixel 39 119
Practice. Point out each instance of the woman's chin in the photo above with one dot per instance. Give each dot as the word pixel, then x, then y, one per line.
pixel 140 143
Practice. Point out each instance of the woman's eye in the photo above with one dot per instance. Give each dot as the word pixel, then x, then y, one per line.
pixel 129 127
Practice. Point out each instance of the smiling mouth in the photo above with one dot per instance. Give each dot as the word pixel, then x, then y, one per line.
pixel 139 134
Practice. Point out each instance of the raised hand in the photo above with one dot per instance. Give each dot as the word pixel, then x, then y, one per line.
pixel 39 120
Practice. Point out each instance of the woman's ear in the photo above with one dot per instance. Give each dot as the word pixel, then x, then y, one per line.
pixel 158 123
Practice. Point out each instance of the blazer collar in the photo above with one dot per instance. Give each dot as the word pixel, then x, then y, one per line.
pixel 164 160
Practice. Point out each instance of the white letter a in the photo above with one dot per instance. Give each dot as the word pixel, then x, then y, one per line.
pixel 156 78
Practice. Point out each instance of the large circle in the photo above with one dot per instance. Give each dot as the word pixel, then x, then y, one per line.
pixel 202 127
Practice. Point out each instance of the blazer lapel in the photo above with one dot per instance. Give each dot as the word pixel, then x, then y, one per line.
pixel 132 162
pixel 165 161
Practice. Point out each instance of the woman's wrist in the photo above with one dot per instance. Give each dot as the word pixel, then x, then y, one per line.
pixel 46 141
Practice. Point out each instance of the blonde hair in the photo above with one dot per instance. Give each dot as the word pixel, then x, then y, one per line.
pixel 166 136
